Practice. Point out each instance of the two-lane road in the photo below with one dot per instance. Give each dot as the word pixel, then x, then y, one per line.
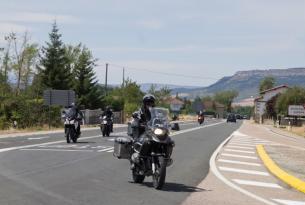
pixel 45 171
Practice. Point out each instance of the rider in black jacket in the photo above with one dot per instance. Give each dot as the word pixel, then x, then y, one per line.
pixel 109 114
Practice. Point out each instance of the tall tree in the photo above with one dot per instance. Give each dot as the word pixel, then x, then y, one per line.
pixel 293 96
pixel 85 83
pixel 226 98
pixel 266 83
pixel 55 73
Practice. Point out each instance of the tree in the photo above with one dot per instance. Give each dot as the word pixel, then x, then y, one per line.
pixel 55 74
pixel 161 95
pixel 270 107
pixel 266 83
pixel 293 96
pixel 226 98
pixel 85 83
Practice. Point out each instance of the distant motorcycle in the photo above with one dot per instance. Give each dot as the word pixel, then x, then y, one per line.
pixel 150 158
pixel 200 119
pixel 106 126
pixel 71 125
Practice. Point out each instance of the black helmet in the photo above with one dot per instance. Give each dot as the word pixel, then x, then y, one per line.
pixel 108 108
pixel 149 99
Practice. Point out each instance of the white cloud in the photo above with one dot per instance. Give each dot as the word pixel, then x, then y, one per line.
pixel 186 48
pixel 36 17
pixel 6 27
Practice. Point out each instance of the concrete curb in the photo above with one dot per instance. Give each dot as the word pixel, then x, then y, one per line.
pixel 278 172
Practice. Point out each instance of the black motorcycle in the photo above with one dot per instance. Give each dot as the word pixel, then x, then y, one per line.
pixel 106 125
pixel 71 124
pixel 149 155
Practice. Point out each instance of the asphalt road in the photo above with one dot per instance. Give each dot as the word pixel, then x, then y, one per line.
pixel 45 171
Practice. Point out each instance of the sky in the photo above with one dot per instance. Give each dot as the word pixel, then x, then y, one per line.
pixel 199 41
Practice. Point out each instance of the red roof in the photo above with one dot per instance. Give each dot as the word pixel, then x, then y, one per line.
pixel 175 101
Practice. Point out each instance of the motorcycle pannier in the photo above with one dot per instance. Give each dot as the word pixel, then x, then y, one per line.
pixel 122 148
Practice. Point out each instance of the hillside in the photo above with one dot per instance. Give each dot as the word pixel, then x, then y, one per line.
pixel 247 82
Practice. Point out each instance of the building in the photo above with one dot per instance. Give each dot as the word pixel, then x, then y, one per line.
pixel 175 104
pixel 265 96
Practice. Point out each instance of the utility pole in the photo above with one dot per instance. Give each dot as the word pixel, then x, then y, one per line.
pixel 106 79
pixel 123 77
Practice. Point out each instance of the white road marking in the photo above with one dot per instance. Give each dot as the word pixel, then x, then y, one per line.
pixel 243 171
pixel 229 183
pixel 239 156
pixel 255 183
pixel 252 141
pixel 112 150
pixel 240 147
pixel 289 202
pixel 107 149
pixel 237 133
pixel 239 162
pixel 99 136
pixel 240 151
pixel 38 138
pixel 59 150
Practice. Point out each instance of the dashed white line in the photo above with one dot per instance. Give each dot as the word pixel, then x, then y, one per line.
pixel 289 202
pixel 239 151
pixel 255 183
pixel 59 150
pixel 243 171
pixel 239 162
pixel 104 150
pixel 238 156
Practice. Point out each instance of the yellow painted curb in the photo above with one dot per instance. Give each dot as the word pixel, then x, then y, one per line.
pixel 278 172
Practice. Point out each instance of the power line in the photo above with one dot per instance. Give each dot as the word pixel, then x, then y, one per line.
pixel 163 73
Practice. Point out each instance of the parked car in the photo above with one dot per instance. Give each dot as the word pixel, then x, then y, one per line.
pixel 231 118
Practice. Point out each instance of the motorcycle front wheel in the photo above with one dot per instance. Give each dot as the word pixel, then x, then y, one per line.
pixel 136 177
pixel 67 133
pixel 73 135
pixel 160 173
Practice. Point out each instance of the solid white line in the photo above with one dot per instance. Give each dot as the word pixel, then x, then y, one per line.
pixel 59 150
pixel 289 202
pixel 240 147
pixel 239 156
pixel 243 171
pixel 99 136
pixel 229 183
pixel 239 162
pixel 255 183
pixel 103 150
pixel 112 150
pixel 240 151
pixel 38 138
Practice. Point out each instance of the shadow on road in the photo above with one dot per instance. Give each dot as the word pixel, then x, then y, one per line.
pixel 85 142
pixel 176 187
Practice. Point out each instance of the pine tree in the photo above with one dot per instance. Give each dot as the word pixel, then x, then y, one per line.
pixel 55 74
pixel 85 83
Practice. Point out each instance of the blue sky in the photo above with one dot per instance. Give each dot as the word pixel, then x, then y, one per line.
pixel 208 39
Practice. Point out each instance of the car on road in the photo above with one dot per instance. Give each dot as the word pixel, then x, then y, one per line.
pixel 231 118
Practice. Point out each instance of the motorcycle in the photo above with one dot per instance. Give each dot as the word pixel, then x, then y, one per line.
pixel 150 155
pixel 106 126
pixel 71 125
pixel 200 119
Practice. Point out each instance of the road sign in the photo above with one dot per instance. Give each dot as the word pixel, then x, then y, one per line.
pixel 296 110
pixel 59 97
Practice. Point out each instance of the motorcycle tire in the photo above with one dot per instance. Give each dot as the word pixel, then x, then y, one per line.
pixel 67 133
pixel 160 174
pixel 108 132
pixel 73 136
pixel 104 131
pixel 137 178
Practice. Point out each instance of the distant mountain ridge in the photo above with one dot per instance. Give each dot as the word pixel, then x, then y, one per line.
pixel 247 82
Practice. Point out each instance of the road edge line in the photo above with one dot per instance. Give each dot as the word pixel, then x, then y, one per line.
pixel 214 170
pixel 278 172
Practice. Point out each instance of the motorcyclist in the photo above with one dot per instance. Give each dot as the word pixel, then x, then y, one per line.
pixel 77 115
pixel 200 114
pixel 109 115
pixel 144 114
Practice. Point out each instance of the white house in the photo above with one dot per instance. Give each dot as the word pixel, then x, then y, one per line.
pixel 260 102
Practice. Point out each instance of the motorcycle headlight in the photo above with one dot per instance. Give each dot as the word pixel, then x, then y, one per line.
pixel 158 131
